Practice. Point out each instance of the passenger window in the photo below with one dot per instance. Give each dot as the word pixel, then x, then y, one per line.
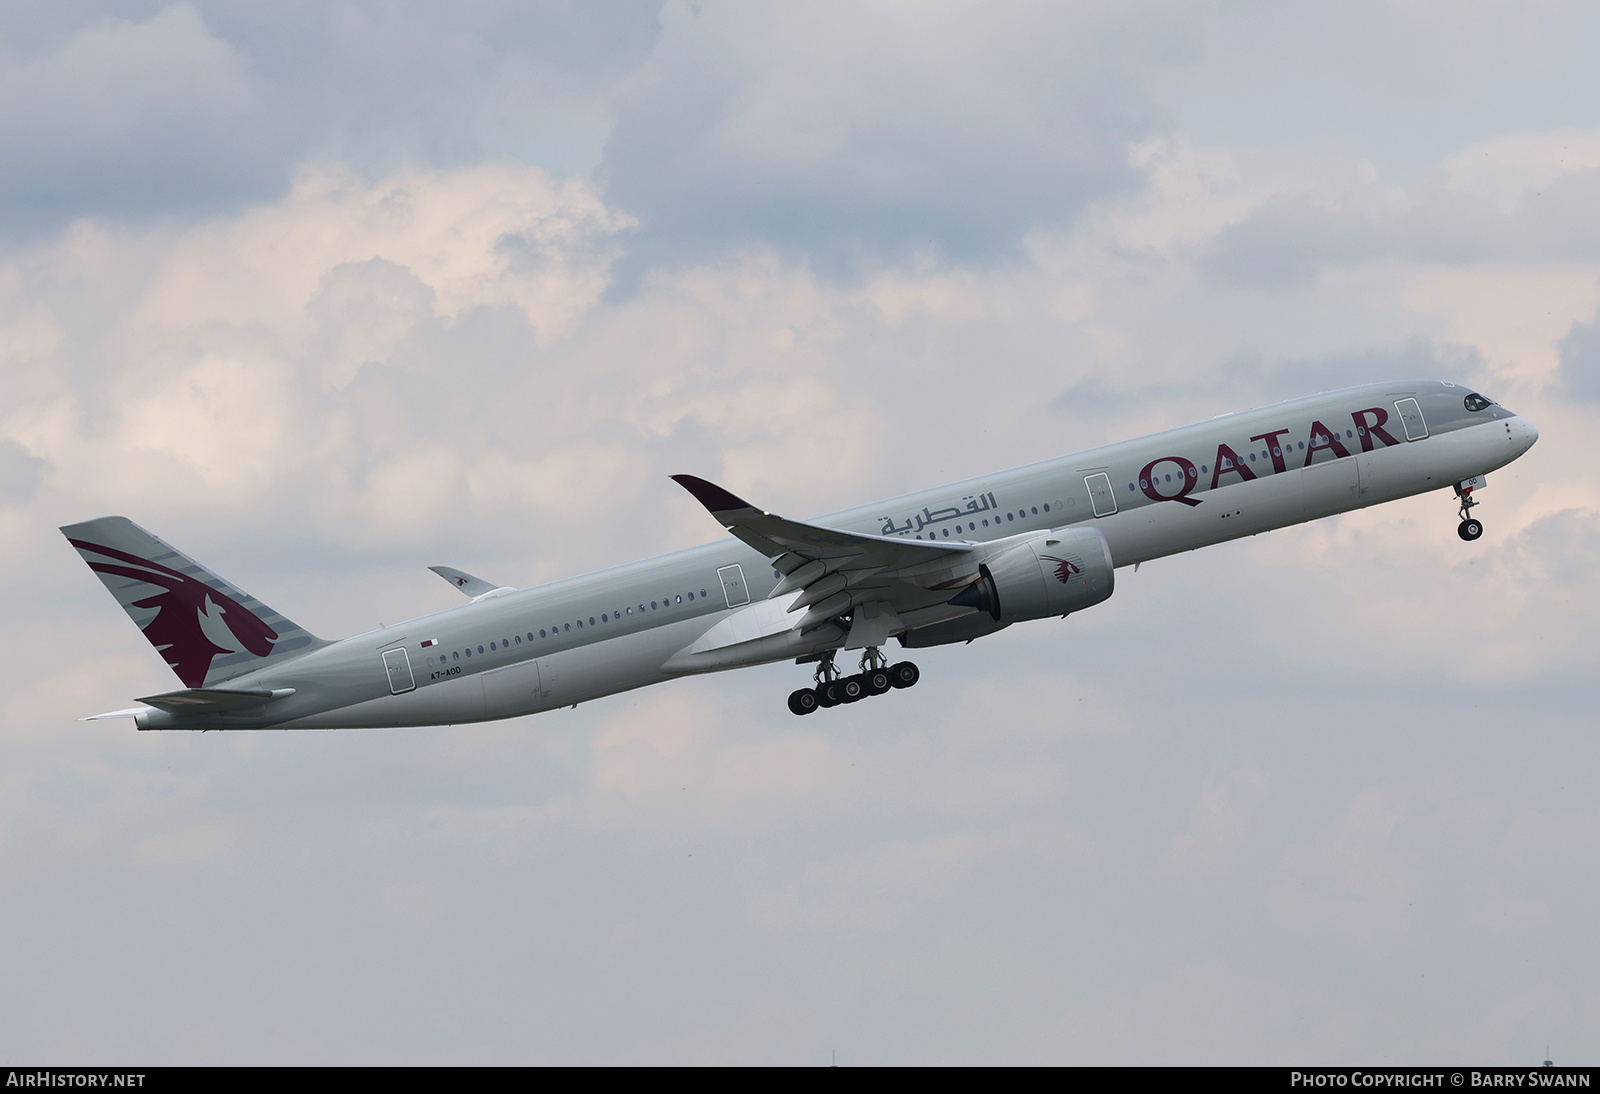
pixel 691 595
pixel 456 656
pixel 480 649
pixel 1036 510
pixel 541 632
pixel 652 605
pixel 469 651
pixel 703 592
pixel 580 624
pixel 603 618
pixel 680 600
pixel 1047 507
pixel 591 621
pixel 567 627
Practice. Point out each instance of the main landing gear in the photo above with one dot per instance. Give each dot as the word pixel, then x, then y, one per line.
pixel 876 677
pixel 1470 527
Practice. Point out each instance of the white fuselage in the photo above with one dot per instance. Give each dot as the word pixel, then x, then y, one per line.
pixel 705 609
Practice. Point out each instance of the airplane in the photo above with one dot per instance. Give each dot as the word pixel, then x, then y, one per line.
pixel 946 565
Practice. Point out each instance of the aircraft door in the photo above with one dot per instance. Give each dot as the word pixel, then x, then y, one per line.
pixel 398 666
pixel 733 586
pixel 1411 416
pixel 1101 496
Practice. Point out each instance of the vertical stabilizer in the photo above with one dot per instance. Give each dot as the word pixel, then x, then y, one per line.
pixel 207 629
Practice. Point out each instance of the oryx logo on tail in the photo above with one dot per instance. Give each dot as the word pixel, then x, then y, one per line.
pixel 185 613
pixel 207 629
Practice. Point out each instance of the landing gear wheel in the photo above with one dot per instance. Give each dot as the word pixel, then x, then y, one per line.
pixel 877 681
pixel 904 675
pixel 829 694
pixel 1470 528
pixel 803 701
pixel 851 689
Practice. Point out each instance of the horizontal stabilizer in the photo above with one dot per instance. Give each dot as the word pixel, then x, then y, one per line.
pixel 469 586
pixel 211 700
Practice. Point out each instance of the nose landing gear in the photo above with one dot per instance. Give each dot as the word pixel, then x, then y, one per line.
pixel 1470 527
pixel 876 677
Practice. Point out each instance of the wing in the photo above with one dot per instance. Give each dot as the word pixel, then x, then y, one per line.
pixel 835 571
pixel 775 537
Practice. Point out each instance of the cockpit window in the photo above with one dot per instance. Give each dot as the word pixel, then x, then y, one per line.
pixel 1476 402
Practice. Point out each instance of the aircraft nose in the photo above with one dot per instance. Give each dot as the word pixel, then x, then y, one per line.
pixel 1524 432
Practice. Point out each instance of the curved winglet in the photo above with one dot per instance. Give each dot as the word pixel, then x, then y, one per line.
pixel 713 497
pixel 464 583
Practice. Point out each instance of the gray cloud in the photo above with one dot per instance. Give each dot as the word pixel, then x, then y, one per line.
pixel 1286 241
pixel 1580 362
pixel 1253 379
pixel 165 108
pixel 133 117
pixel 1289 238
pixel 847 133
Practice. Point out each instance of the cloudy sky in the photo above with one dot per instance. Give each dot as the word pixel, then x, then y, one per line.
pixel 325 293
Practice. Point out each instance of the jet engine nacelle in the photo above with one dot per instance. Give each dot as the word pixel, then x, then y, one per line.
pixel 1052 573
